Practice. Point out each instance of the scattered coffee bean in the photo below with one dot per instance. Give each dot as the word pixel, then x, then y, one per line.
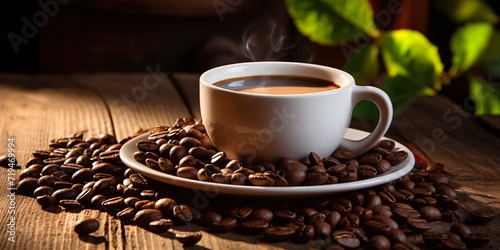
pixel 483 215
pixel 188 238
pixel 86 226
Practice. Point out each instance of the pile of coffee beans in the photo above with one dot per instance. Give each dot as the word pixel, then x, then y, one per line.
pixel 186 151
pixel 78 173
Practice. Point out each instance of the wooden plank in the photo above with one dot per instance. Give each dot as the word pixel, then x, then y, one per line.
pixel 137 101
pixel 33 116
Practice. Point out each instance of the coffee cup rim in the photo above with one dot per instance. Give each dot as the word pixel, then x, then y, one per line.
pixel 347 79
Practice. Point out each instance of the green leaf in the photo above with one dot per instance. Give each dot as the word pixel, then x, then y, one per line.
pixel 403 91
pixel 330 22
pixel 461 11
pixel 365 111
pixel 490 59
pixel 364 65
pixel 408 53
pixel 486 96
pixel 468 44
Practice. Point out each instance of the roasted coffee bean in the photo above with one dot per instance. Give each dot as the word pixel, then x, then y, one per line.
pixel 97 200
pixel 70 204
pixel 140 156
pixel 440 178
pixel 282 217
pixel 241 213
pixel 182 214
pixel 188 238
pixel 166 165
pixel 364 214
pixel 426 185
pixel 366 172
pixel 148 194
pixel 350 220
pixel 369 159
pixel 46 200
pixel 189 142
pixel 403 195
pixel 86 226
pixel 314 218
pixel 106 139
pixel 146 216
pixel 421 192
pixel 424 201
pixel 144 204
pixel 304 233
pixel 238 179
pixel 316 178
pixel 50 169
pixel 221 178
pixel 386 220
pixel 418 225
pixel 432 239
pixel 112 203
pixel 260 179
pixel 402 214
pixel 295 177
pixel 218 158
pixel 54 160
pixel 139 181
pixel 62 184
pixel 160 226
pixel 382 210
pixel 336 169
pixel 460 229
pixel 446 190
pixel 295 165
pixel 147 145
pixel 27 185
pixel 100 176
pixel 200 153
pixel 83 175
pixel 341 205
pixel 373 227
pixel 85 196
pixel 65 194
pixel 262 214
pixel 110 156
pixel 31 172
pixel 254 226
pixel 386 144
pixel 448 203
pixel 406 184
pixel 131 192
pixel 322 229
pixel 386 197
pixel 188 173
pixel 397 157
pixel 430 213
pixel 453 244
pixel 104 184
pixel 47 180
pixel 343 155
pixel 209 218
pixel 372 200
pixel 225 225
pixel 397 236
pixel 483 215
pixel 316 169
pixel 379 242
pixel 476 239
pixel 43 190
pixel 346 239
pixel 125 214
pixel 314 159
pixel 333 218
pixel 280 233
pixel 130 202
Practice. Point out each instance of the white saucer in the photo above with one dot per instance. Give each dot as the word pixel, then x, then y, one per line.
pixel 127 152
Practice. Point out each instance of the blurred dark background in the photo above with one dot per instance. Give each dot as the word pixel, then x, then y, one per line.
pixel 65 36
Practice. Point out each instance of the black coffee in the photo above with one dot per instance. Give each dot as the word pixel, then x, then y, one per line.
pixel 277 85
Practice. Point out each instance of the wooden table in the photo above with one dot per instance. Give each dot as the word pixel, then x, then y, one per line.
pixel 35 109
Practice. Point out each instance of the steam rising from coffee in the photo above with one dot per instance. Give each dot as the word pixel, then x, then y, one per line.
pixel 273 43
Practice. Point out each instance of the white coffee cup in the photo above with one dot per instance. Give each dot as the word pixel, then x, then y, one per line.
pixel 267 127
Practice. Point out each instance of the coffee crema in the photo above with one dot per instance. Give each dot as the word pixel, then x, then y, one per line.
pixel 277 85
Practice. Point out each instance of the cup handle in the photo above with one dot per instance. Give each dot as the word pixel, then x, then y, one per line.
pixel 383 102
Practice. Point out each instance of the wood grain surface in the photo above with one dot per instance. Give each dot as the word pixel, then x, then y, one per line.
pixel 36 109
